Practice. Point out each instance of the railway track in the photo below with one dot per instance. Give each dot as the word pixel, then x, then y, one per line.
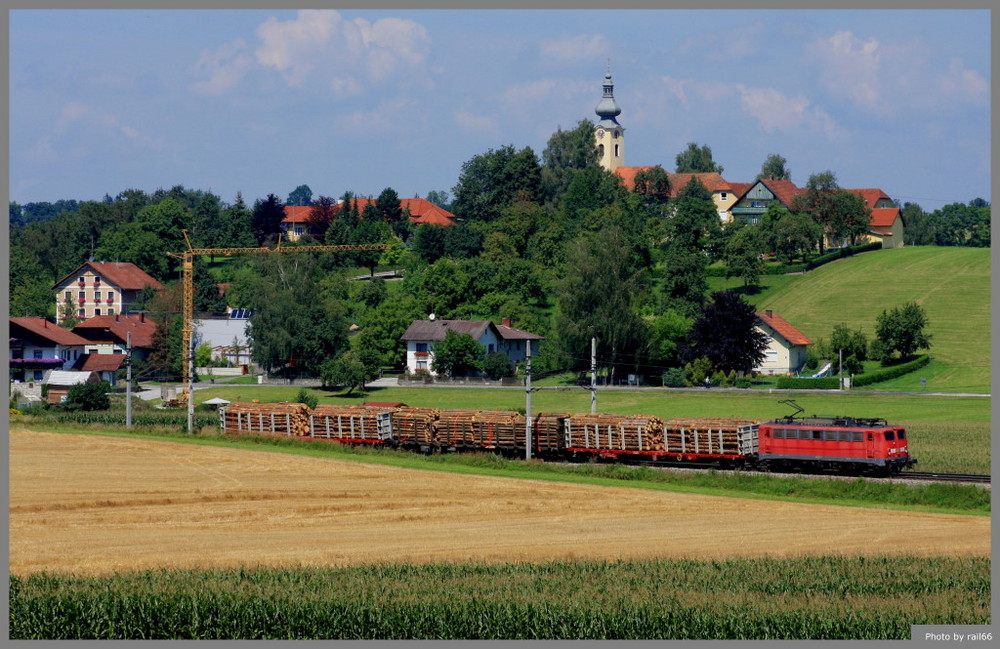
pixel 944 477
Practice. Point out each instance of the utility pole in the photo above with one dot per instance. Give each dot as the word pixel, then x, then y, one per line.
pixel 128 380
pixel 593 375
pixel 840 371
pixel 527 405
pixel 190 393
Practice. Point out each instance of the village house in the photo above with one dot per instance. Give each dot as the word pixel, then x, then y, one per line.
pixel 786 346
pixel 98 288
pixel 420 211
pixel 422 336
pixel 37 345
pixel 226 336
pixel 60 382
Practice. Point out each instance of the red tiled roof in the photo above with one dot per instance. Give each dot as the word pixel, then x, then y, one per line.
pixel 871 196
pixel 884 217
pixel 297 213
pixel 124 275
pixel 42 328
pixel 421 211
pixel 713 181
pixel 99 362
pixel 114 328
pixel 627 174
pixel 784 328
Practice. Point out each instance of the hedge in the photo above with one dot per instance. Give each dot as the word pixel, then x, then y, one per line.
pixel 892 372
pixel 784 269
pixel 164 419
pixel 795 383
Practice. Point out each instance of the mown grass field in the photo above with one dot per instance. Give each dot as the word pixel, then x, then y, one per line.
pixel 952 284
pixel 813 598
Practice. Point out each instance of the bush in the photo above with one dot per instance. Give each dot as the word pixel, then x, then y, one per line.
pixel 891 372
pixel 497 365
pixel 675 377
pixel 89 396
pixel 307 397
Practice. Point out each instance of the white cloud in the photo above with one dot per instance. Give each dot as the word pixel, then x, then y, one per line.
pixel 961 84
pixel 689 91
pixel 319 45
pixel 775 111
pixel 574 49
pixel 225 67
pixel 852 67
pixel 76 119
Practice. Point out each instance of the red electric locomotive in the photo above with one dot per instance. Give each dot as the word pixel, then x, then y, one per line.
pixel 836 444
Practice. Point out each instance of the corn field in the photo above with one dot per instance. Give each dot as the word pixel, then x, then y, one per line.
pixel 808 598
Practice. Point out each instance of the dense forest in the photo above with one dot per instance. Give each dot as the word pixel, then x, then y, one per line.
pixel 555 243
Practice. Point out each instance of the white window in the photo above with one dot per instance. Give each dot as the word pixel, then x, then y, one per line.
pixel 771 356
pixel 723 196
pixel 111 311
pixel 97 312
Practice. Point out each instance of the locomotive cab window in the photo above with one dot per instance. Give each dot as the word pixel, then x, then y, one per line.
pixel 889 436
pixel 902 434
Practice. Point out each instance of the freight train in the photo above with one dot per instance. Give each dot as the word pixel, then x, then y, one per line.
pixel 846 445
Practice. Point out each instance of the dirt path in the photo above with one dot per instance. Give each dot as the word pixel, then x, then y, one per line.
pixel 89 504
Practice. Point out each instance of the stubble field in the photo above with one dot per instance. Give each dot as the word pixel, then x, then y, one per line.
pixel 92 505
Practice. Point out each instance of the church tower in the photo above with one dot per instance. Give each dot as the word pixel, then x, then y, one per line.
pixel 609 134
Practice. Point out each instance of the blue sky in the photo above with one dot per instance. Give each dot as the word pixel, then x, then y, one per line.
pixel 261 102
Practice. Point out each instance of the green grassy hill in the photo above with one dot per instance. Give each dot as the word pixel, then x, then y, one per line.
pixel 952 284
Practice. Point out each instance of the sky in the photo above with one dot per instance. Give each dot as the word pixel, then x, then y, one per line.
pixel 260 102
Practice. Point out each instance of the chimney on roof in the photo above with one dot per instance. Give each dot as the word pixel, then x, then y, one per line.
pixel 505 322
pixel 768 312
pixel 142 317
pixel 116 318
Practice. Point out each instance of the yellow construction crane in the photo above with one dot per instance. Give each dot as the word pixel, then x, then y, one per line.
pixel 187 269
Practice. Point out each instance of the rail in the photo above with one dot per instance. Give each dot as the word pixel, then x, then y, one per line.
pixel 945 477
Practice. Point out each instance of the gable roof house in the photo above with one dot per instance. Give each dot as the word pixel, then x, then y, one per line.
pixel 422 336
pixel 750 206
pixel 60 382
pixel 98 288
pixel 786 347
pixel 108 334
pixel 421 211
pixel 37 345
pixel 886 221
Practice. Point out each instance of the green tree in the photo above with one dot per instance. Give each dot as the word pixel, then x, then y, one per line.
pixel 841 214
pixel 490 181
pixel 901 330
pixel 600 298
pixel 850 345
pixel 373 292
pixel 775 166
pixel 653 185
pixel 235 222
pixel 566 154
pixel 696 159
pixel 301 195
pixel 726 333
pixel 457 355
pixel 743 255
pixel 439 198
pixel 92 395
pixel 384 325
pixel 667 334
pixel 428 242
pixel 347 370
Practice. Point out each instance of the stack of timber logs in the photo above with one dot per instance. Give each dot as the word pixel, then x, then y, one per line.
pixel 499 429
pixel 614 432
pixel 547 430
pixel 455 427
pixel 283 419
pixel 711 436
pixel 414 425
pixel 345 422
